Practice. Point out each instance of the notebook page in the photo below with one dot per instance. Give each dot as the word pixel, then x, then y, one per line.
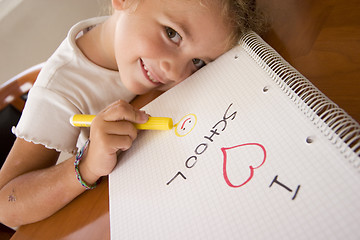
pixel 236 166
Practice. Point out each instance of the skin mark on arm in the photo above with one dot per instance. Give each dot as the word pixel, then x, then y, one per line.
pixel 12 197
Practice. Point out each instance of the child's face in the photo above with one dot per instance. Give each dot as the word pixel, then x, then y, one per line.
pixel 163 42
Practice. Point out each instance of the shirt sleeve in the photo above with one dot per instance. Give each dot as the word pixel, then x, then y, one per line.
pixel 45 120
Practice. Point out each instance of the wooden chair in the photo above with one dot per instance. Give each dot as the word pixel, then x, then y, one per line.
pixel 13 95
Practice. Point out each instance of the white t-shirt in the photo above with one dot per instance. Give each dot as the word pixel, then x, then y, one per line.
pixel 68 84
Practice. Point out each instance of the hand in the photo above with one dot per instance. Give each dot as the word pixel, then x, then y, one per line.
pixel 111 130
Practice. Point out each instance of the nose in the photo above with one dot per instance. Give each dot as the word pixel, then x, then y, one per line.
pixel 175 68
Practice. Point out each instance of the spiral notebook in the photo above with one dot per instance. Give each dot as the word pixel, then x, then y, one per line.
pixel 257 152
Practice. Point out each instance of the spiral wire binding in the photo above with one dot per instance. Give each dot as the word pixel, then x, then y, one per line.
pixel 339 127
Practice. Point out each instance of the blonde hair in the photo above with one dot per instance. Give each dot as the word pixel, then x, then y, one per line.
pixel 243 16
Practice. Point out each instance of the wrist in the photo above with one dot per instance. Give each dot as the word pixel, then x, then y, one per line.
pixel 82 172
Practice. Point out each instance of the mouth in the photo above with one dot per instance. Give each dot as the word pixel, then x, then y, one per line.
pixel 148 74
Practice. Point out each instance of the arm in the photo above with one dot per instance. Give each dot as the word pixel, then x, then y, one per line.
pixel 31 184
pixel 32 187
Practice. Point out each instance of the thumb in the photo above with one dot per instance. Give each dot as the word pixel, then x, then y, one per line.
pixel 141 116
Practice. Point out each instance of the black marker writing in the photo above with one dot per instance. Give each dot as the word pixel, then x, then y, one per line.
pixel 275 180
pixel 200 149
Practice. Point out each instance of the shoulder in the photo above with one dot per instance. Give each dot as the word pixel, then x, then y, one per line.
pixel 83 26
pixel 68 62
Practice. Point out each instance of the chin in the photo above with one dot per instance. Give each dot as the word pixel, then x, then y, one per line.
pixel 139 91
pixel 165 88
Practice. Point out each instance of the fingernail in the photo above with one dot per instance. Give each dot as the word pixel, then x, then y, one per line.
pixel 144 116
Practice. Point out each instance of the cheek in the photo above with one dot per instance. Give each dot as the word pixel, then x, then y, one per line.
pixel 151 46
pixel 169 86
pixel 151 41
pixel 136 44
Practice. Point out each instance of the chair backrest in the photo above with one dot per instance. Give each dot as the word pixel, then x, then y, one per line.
pixel 12 91
pixel 13 95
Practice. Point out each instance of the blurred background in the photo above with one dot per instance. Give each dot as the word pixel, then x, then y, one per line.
pixel 31 30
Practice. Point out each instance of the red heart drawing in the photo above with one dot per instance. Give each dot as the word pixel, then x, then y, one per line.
pixel 251 167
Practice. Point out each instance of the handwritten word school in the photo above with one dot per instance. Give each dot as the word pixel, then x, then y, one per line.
pixel 201 148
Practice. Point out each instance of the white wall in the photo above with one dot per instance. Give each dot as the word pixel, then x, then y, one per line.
pixel 31 30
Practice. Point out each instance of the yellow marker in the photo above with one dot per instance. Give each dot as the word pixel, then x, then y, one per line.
pixel 154 123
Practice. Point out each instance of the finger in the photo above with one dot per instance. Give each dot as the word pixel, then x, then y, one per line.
pixel 120 128
pixel 121 110
pixel 109 146
pixel 118 142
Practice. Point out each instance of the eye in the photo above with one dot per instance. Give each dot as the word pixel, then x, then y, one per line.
pixel 173 35
pixel 198 63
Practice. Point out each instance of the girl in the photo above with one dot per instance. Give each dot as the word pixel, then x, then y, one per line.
pixel 143 46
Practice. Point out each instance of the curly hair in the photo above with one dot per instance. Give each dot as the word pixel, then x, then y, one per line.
pixel 243 16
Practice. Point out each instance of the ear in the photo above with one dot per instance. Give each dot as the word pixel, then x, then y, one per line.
pixel 118 4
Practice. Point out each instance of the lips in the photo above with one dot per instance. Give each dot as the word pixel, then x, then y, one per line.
pixel 148 74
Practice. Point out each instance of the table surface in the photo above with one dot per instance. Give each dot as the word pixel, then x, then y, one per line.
pixel 321 39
